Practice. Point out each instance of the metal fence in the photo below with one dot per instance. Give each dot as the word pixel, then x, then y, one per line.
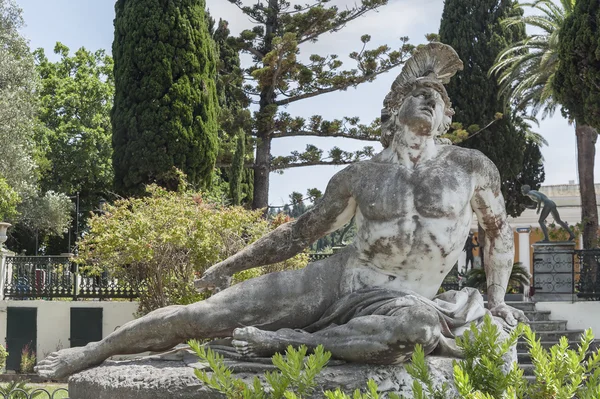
pixel 48 277
pixel 586 274
pixel 39 393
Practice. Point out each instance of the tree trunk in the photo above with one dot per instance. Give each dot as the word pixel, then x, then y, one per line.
pixel 586 152
pixel 262 170
pixel 265 120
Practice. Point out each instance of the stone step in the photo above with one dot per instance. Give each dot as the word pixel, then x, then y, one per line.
pixel 523 347
pixel 523 358
pixel 548 325
pixel 528 369
pixel 555 335
pixel 537 315
pixel 524 306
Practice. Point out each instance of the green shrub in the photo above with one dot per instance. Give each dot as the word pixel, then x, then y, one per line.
pixel 294 378
pixel 18 390
pixel 167 239
pixel 28 360
pixel 559 372
pixel 9 199
pixel 3 356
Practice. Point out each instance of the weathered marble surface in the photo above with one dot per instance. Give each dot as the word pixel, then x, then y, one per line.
pixel 159 379
pixel 375 300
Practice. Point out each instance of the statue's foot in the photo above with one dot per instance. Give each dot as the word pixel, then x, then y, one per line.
pixel 253 342
pixel 69 361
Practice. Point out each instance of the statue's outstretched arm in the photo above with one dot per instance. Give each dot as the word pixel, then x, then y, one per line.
pixel 330 213
pixel 488 204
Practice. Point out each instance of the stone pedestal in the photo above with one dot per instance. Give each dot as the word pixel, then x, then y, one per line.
pixel 158 378
pixel 553 270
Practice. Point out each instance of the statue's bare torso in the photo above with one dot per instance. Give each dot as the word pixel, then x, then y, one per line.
pixel 411 224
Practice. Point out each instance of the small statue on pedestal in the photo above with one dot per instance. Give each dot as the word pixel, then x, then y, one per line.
pixel 549 207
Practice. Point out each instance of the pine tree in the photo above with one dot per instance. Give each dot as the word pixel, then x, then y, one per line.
pixel 577 88
pixel 166 107
pixel 278 77
pixel 474 30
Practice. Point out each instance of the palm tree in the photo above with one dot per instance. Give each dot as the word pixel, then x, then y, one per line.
pixel 526 72
pixel 518 277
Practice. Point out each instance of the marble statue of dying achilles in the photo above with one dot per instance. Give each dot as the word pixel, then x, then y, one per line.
pixel 375 300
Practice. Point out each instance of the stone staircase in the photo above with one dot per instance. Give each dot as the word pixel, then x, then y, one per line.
pixel 546 329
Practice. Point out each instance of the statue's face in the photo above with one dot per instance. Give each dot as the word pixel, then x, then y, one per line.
pixel 422 111
pixel 525 189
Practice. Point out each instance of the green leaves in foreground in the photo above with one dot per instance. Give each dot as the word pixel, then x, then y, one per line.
pixel 560 372
pixel 295 377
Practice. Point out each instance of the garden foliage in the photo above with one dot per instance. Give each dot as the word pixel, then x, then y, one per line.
pixel 165 107
pixel 167 239
pixel 483 373
pixel 28 360
pixel 74 133
pixel 19 155
pixel 9 199
pixel 475 31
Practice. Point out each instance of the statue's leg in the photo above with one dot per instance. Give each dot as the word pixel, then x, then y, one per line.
pixel 542 221
pixel 290 299
pixel 565 226
pixel 371 339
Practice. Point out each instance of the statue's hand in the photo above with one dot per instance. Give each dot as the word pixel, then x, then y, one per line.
pixel 511 315
pixel 212 280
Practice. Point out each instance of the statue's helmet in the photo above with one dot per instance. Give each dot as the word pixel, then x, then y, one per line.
pixel 431 65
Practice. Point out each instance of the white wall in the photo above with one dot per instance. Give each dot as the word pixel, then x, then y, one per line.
pixel 580 315
pixel 53 320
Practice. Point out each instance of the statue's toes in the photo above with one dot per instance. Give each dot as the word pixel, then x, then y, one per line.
pixel 242 347
pixel 245 333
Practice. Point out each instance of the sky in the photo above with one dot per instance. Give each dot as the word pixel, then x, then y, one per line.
pixel 89 24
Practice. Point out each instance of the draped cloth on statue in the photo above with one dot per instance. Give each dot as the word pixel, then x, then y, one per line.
pixel 456 310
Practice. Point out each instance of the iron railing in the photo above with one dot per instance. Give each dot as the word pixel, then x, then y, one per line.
pixel 48 277
pixel 586 274
pixel 38 393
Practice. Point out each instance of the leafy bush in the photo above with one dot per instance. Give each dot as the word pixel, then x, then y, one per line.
pixel 49 213
pixel 3 356
pixel 167 239
pixel 519 276
pixel 18 390
pixel 28 360
pixel 483 374
pixel 9 199
pixel 294 378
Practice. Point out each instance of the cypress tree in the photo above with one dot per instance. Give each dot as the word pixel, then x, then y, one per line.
pixel 166 107
pixel 474 30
